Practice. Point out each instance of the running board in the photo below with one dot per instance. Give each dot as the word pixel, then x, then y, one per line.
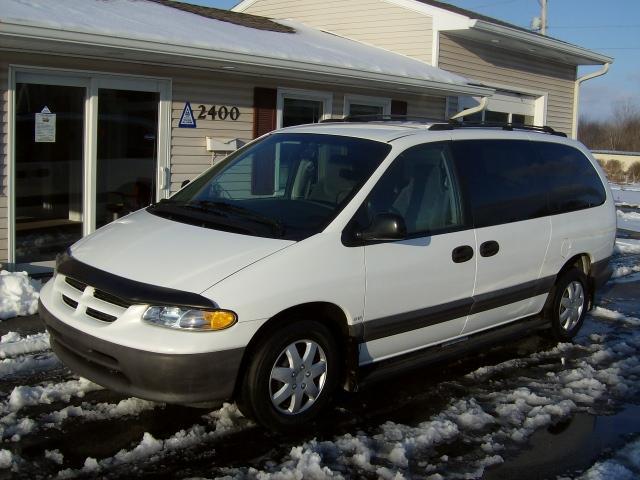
pixel 446 351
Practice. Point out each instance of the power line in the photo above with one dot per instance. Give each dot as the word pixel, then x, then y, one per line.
pixel 594 26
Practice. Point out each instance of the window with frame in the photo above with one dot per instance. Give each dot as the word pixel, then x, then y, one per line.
pixel 421 187
pixel 359 106
pixel 299 107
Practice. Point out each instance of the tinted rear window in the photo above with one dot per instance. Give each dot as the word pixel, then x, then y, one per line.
pixel 572 181
pixel 513 180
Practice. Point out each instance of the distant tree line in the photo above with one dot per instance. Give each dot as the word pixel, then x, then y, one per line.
pixel 620 132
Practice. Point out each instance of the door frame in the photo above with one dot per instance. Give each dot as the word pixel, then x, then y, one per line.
pixel 92 81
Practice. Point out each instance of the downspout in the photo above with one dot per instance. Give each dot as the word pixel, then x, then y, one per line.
pixel 472 110
pixel 576 95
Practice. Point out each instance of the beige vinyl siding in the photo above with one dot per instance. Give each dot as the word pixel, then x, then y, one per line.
pixel 497 66
pixel 189 156
pixel 4 156
pixel 375 22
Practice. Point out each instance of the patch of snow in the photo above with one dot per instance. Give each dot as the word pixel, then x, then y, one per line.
pixel 120 19
pixel 626 246
pixel 6 459
pixel 624 270
pixel 13 344
pixel 224 421
pixel 623 465
pixel 26 396
pixel 28 364
pixel 18 294
pixel 54 456
pixel 628 220
pixel 626 195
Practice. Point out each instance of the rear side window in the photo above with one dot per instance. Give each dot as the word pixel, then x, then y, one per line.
pixel 572 181
pixel 503 180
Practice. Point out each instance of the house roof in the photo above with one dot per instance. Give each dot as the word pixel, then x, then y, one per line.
pixel 165 32
pixel 243 19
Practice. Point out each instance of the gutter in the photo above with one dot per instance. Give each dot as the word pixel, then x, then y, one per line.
pixel 542 41
pixel 82 39
pixel 576 95
pixel 472 110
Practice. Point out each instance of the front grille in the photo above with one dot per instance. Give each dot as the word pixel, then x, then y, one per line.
pixel 107 297
pixel 89 302
pixel 76 284
pixel 72 303
pixel 105 317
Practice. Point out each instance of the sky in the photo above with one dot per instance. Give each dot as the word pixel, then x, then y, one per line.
pixel 611 27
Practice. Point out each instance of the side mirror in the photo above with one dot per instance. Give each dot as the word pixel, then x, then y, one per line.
pixel 386 227
pixel 184 183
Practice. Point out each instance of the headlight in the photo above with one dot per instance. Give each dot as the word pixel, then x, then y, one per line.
pixel 190 319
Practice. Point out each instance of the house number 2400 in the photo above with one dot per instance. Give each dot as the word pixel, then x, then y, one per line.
pixel 221 113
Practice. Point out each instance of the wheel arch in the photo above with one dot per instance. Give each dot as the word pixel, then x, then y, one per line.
pixel 333 316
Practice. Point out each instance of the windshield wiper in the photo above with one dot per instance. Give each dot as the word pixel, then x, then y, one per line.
pixel 227 208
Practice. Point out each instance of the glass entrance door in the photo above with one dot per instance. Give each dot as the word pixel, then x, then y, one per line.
pixel 49 142
pixel 126 152
pixel 89 149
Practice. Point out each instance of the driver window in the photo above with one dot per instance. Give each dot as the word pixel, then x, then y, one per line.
pixel 420 186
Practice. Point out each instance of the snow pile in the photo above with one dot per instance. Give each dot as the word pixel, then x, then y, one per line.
pixel 624 465
pixel 626 195
pixel 627 246
pixel 224 421
pixel 54 455
pixel 28 364
pixel 18 294
pixel 6 459
pixel 27 396
pixel 13 344
pixel 629 220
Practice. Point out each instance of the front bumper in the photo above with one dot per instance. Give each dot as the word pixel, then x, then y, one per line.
pixel 171 378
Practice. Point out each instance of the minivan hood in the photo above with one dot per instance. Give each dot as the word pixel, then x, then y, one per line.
pixel 166 253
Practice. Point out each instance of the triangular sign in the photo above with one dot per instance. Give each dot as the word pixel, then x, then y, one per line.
pixel 187 120
pixel 45 110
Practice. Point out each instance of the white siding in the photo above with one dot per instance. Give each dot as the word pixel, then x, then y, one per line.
pixel 492 65
pixel 375 22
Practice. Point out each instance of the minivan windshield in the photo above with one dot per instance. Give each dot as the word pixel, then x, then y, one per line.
pixel 287 185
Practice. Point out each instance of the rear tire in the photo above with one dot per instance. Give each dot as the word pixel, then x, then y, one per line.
pixel 568 304
pixel 291 376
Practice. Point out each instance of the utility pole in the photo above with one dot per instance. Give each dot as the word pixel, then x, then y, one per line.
pixel 543 16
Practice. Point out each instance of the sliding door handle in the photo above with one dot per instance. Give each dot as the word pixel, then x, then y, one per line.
pixel 461 254
pixel 489 249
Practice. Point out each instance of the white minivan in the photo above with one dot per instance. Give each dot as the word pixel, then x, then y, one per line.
pixel 324 256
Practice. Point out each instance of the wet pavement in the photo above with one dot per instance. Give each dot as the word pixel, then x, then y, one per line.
pixel 531 409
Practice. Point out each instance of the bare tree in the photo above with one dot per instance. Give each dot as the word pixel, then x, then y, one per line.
pixel 620 132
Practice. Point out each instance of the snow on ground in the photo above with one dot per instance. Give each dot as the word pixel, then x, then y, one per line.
pixel 627 246
pixel 627 195
pixel 224 421
pixel 482 419
pixel 629 220
pixel 624 465
pixel 13 344
pixel 18 294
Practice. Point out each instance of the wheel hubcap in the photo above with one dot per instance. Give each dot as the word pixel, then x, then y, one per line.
pixel 571 305
pixel 298 377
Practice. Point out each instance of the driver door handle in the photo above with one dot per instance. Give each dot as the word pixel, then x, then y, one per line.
pixel 462 254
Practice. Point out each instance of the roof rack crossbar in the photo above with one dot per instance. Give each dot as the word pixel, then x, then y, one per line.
pixel 503 125
pixel 379 118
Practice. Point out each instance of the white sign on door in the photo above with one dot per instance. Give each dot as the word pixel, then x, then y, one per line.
pixel 45 131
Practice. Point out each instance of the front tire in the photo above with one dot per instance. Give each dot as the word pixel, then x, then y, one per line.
pixel 569 304
pixel 291 376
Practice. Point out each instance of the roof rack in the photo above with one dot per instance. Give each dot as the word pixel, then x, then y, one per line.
pixel 436 125
pixel 380 118
pixel 452 125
